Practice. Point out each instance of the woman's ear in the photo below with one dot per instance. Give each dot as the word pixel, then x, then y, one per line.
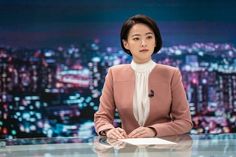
pixel 125 43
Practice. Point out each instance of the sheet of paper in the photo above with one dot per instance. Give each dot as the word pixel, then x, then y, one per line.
pixel 146 141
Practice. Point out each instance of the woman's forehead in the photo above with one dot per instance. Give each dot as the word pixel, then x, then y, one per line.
pixel 140 29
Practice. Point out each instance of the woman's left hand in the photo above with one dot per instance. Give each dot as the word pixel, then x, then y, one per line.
pixel 142 132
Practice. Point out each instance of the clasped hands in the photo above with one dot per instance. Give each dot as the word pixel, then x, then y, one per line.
pixel 140 132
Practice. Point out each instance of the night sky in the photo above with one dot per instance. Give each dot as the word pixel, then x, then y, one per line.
pixel 38 24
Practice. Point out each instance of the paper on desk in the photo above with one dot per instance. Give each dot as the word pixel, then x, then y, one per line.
pixel 146 141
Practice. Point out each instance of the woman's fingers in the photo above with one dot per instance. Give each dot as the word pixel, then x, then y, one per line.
pixel 136 133
pixel 122 131
pixel 119 133
pixel 116 133
pixel 141 132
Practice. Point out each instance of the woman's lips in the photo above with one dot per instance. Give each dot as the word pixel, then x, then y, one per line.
pixel 143 50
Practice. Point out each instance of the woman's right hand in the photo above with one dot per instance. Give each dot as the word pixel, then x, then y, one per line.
pixel 116 133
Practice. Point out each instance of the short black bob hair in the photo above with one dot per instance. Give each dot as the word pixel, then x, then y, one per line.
pixel 143 19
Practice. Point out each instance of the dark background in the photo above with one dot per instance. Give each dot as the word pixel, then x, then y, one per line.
pixel 52 23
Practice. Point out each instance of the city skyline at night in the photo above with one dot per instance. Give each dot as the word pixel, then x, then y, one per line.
pixel 54 56
pixel 55 92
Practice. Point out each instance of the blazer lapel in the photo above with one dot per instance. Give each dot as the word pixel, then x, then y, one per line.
pixel 152 92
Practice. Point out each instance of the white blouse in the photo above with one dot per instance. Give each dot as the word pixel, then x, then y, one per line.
pixel 141 102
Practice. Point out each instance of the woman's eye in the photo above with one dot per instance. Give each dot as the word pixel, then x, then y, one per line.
pixel 149 37
pixel 135 39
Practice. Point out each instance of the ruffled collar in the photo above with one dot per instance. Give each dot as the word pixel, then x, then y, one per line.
pixel 145 67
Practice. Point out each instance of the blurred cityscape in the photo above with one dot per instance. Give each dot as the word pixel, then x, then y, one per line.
pixel 55 92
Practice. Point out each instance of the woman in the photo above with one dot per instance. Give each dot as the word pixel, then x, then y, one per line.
pixel 149 97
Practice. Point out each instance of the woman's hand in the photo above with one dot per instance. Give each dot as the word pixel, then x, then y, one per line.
pixel 116 133
pixel 142 132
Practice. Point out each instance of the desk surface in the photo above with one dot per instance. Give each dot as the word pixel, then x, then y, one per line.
pixel 222 145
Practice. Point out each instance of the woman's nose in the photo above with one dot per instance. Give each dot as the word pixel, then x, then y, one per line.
pixel 143 43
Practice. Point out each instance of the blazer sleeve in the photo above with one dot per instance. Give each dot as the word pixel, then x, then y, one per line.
pixel 181 122
pixel 104 117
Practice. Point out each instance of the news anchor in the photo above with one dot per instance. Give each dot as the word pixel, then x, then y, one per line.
pixel 149 97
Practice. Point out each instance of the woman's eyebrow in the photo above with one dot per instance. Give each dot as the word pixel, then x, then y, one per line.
pixel 149 33
pixel 135 35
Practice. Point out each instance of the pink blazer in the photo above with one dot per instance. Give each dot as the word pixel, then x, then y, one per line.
pixel 169 109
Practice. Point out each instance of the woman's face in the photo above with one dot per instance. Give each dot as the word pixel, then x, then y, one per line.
pixel 140 42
